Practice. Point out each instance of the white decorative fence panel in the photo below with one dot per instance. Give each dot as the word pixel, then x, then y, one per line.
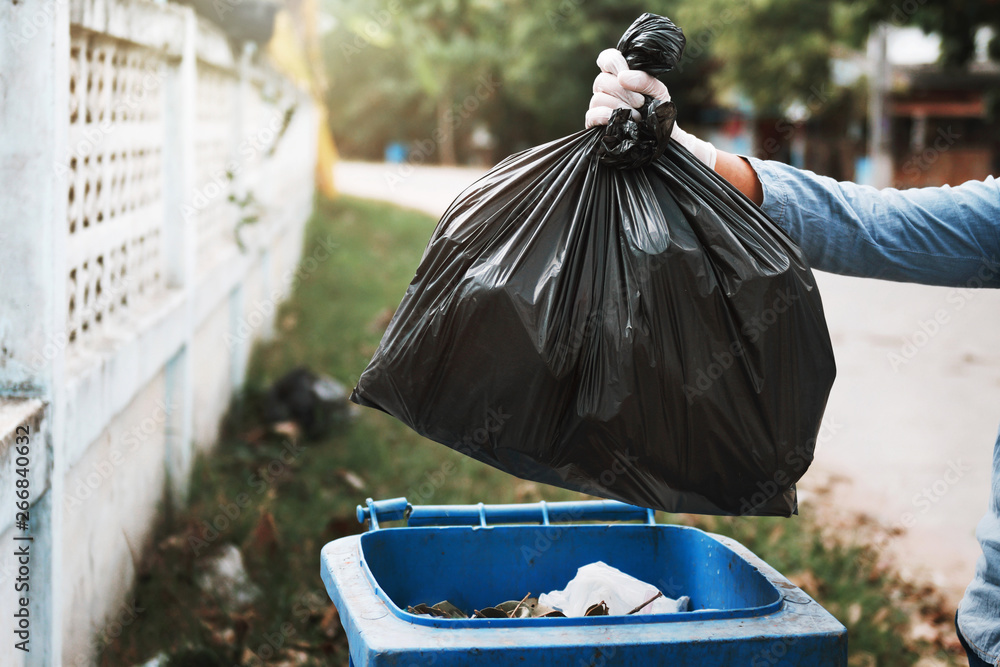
pixel 156 187
pixel 115 193
pixel 216 110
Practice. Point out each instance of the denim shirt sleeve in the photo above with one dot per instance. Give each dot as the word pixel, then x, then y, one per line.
pixel 937 236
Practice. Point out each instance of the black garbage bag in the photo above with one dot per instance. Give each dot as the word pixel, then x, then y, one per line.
pixel 604 313
pixel 314 402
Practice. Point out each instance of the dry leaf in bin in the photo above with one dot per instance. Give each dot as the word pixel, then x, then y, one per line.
pixel 535 608
pixel 490 612
pixel 449 609
pixel 597 609
pixel 526 607
pixel 443 609
pixel 509 606
pixel 515 608
pixel 422 608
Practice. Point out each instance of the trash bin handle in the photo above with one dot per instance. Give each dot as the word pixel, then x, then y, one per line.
pixel 395 509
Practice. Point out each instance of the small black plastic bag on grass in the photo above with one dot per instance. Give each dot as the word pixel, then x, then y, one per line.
pixel 606 314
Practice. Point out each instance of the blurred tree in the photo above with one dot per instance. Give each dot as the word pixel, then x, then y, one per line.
pixel 430 70
pixel 373 97
pixel 454 48
pixel 553 46
pixel 776 52
pixel 410 62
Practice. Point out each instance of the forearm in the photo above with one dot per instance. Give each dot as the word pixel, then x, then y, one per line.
pixel 741 175
pixel 940 236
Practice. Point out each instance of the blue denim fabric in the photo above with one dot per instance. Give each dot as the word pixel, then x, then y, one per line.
pixel 936 236
pixel 974 659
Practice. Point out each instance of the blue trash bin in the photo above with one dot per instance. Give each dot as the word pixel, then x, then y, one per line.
pixel 475 556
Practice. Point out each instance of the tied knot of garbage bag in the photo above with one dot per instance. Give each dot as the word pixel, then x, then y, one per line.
pixel 652 44
pixel 628 144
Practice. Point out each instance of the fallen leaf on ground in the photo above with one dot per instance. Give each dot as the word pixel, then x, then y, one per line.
pixel 339 526
pixel 854 613
pixel 330 623
pixel 930 662
pixel 289 429
pixel 381 320
pixel 806 580
pixel 862 659
pixel 524 490
pixel 352 478
pixel 227 636
pixel 254 435
pixel 924 631
pixel 265 533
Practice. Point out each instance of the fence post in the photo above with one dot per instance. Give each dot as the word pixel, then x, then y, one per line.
pixel 34 50
pixel 180 245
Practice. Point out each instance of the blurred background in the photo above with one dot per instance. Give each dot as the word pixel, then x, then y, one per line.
pixel 211 208
pixel 854 90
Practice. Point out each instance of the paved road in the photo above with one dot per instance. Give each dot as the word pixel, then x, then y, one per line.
pixel 427 189
pixel 909 430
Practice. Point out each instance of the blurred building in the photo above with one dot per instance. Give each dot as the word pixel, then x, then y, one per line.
pixel 937 122
pixel 940 126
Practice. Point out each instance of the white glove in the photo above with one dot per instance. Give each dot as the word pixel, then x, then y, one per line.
pixel 618 87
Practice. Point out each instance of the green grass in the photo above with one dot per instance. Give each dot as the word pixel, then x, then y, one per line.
pixel 871 601
pixel 280 511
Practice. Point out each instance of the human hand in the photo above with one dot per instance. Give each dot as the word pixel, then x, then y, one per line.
pixel 609 94
pixel 618 87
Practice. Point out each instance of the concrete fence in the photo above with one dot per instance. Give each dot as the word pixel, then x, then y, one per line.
pixel 154 185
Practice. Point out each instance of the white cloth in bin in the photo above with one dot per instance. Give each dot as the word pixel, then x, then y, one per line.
pixel 621 592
